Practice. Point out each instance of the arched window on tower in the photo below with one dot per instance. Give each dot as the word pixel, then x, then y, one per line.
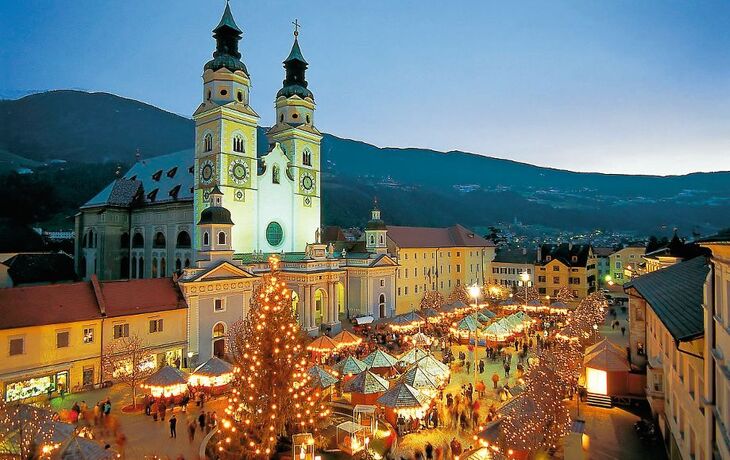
pixel 275 174
pixel 307 157
pixel 138 240
pixel 381 239
pixel 159 241
pixel 221 237
pixel 206 239
pixel 208 141
pixel 183 239
pixel 372 239
pixel 238 144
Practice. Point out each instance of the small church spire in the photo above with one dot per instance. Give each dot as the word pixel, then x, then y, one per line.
pixel 227 34
pixel 295 82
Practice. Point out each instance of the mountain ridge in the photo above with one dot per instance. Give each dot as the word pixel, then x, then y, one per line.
pixel 478 190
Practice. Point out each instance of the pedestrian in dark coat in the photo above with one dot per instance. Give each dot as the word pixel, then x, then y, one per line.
pixel 173 426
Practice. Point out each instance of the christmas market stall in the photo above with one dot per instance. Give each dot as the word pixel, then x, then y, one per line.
pixel 406 322
pixel 321 347
pixel 167 382
pixel 322 379
pixel 433 366
pixel 466 328
pixel 365 388
pixel 431 315
pixel 380 362
pixel 496 332
pixel 405 402
pixel 455 308
pixel 214 375
pixel 607 369
pixel 349 367
pixel 346 339
pixel 558 307
pixel 412 356
pixel 419 339
pixel 421 380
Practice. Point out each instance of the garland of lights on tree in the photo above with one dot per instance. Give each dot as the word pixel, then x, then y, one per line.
pixel 565 295
pixel 538 418
pixel 432 299
pixel 272 395
pixel 459 293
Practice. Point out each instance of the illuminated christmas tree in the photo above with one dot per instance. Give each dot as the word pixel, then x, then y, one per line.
pixel 272 395
pixel 432 299
pixel 460 293
pixel 565 295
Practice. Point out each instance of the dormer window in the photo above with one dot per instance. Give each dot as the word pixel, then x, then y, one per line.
pixel 548 258
pixel 208 142
pixel 171 172
pixel 574 258
pixel 156 176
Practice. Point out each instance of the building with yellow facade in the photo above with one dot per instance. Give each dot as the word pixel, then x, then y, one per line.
pixel 436 259
pixel 571 265
pixel 52 337
pixel 717 346
pixel 667 340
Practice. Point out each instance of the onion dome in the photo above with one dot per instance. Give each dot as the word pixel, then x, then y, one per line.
pixel 215 214
pixel 295 82
pixel 227 35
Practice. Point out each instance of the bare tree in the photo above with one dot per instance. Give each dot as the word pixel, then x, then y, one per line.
pixel 126 361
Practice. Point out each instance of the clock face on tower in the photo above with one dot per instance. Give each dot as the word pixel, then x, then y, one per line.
pixel 307 182
pixel 238 171
pixel 206 172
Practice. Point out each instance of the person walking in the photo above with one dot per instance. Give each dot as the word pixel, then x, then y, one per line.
pixel 201 420
pixel 495 380
pixel 192 427
pixel 173 426
pixel 623 330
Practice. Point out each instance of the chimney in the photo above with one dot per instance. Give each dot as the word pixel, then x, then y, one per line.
pixel 99 294
pixel 539 253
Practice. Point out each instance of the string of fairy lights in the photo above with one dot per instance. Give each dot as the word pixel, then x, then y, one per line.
pixel 272 393
pixel 538 418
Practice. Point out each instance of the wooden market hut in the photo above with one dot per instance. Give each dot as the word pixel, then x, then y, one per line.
pixel 365 388
pixel 607 369
pixel 380 362
pixel 404 400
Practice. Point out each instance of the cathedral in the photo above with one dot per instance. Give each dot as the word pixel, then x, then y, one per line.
pixel 210 216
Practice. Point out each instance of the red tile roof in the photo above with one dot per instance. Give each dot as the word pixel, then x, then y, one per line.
pixel 64 303
pixel 47 304
pixel 435 237
pixel 133 297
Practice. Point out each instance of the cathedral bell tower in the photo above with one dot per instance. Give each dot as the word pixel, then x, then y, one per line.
pixel 297 136
pixel 225 136
pixel 376 232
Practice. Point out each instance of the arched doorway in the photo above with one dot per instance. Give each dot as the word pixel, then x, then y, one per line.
pixel 340 298
pixel 320 304
pixel 219 340
pixel 381 303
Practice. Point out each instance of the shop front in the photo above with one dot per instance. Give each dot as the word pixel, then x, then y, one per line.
pixel 44 384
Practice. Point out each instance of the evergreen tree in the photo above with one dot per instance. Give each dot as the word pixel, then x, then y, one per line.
pixel 272 396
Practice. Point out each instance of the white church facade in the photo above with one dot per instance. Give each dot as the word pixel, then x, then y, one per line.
pixel 210 216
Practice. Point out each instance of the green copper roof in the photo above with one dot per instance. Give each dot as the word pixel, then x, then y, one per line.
pixel 227 35
pixel 295 54
pixel 295 82
pixel 227 21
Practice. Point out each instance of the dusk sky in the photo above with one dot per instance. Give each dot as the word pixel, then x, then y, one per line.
pixel 613 86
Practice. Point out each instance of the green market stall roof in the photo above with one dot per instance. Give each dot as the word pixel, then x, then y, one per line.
pixel 321 378
pixel 366 382
pixel 379 359
pixel 350 365
pixel 403 396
